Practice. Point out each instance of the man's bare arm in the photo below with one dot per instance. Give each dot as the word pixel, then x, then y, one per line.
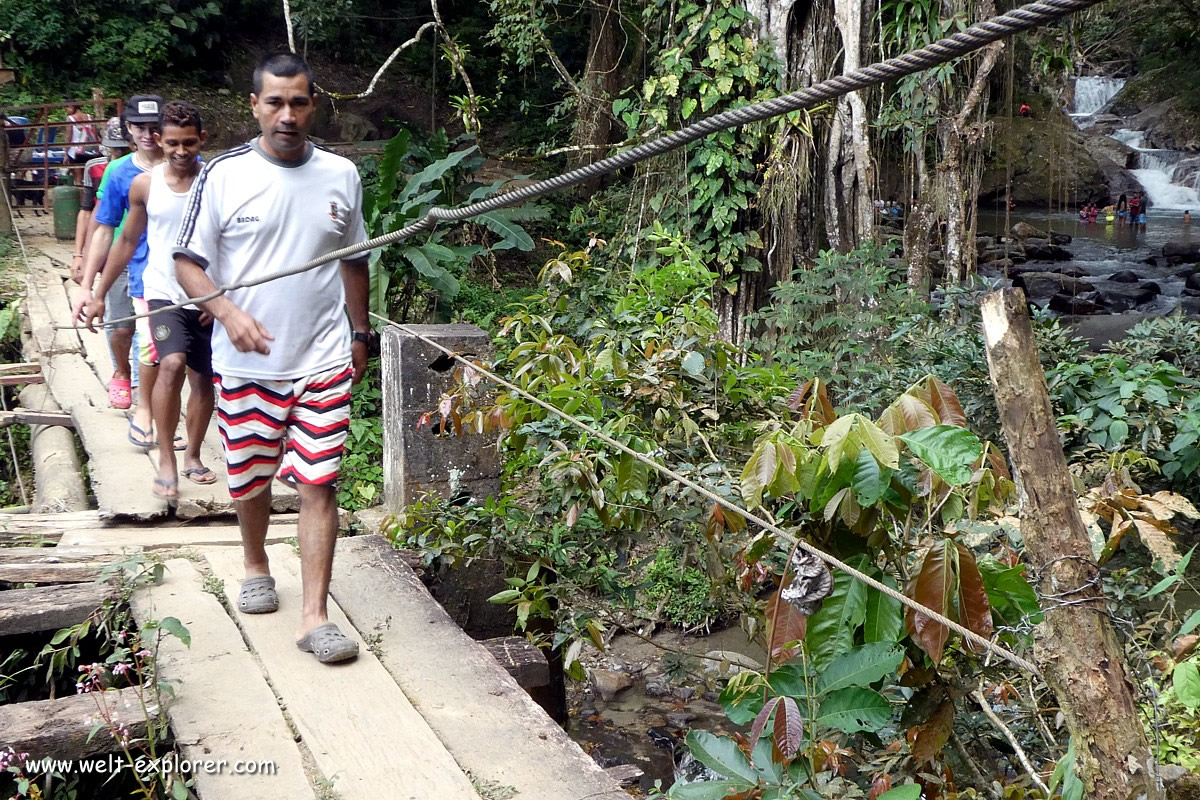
pixel 244 331
pixel 357 280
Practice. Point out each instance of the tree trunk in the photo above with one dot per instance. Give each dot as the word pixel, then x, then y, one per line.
pixel 858 193
pixel 1076 646
pixel 597 87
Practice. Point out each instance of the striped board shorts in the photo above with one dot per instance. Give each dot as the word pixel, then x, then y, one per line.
pixel 297 428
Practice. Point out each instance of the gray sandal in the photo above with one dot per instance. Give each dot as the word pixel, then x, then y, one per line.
pixel 328 644
pixel 258 595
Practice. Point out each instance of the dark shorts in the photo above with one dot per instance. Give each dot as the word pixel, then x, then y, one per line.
pixel 179 331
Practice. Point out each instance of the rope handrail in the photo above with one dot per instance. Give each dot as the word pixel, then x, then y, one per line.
pixel 833 561
pixel 977 36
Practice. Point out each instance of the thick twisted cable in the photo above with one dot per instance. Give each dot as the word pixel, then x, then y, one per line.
pixel 973 38
pixel 833 561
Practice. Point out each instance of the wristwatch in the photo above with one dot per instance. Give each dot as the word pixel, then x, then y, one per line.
pixel 361 336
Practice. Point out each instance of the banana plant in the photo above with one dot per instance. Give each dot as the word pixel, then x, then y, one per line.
pixel 403 194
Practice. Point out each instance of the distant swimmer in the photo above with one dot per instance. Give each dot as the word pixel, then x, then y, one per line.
pixel 1187 218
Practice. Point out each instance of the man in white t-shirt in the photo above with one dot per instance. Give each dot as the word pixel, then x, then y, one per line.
pixel 285 352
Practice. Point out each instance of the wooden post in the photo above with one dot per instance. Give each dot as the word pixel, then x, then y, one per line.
pixel 98 117
pixel 1076 647
pixel 6 223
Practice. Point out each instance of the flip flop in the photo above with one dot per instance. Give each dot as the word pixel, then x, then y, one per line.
pixel 161 487
pixel 194 474
pixel 120 394
pixel 145 442
pixel 258 595
pixel 179 444
pixel 328 644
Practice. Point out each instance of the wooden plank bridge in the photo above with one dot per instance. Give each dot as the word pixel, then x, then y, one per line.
pixel 424 712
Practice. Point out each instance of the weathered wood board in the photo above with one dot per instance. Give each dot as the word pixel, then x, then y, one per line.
pixel 218 664
pixel 48 608
pixel 60 729
pixel 353 717
pixel 488 722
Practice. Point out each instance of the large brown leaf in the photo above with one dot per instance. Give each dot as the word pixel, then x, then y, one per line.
pixel 908 413
pixel 760 722
pixel 786 625
pixel 974 610
pixel 812 400
pixel 789 728
pixel 934 587
pixel 928 739
pixel 942 399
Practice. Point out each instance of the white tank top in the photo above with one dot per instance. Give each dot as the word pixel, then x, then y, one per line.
pixel 164 218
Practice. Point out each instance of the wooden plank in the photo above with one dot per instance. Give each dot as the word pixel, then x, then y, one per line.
pixel 490 724
pixel 53 555
pixel 18 369
pixel 219 665
pixel 354 719
pixel 50 573
pixel 23 416
pixel 21 380
pixel 48 608
pixel 59 728
pixel 521 659
pixel 128 540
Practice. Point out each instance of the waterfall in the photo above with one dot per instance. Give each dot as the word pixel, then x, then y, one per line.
pixel 1166 175
pixel 1093 93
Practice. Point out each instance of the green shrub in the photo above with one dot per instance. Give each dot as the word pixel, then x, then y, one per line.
pixel 684 593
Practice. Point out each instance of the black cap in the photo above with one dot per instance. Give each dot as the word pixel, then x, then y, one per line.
pixel 144 108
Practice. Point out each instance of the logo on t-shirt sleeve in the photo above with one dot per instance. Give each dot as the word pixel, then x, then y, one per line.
pixel 333 210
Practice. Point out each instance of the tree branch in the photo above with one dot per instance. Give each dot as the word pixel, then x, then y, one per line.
pixel 998 723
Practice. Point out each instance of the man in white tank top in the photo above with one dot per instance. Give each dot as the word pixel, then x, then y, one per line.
pixel 179 338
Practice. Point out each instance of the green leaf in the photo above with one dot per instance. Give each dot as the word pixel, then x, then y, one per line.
pixel 435 171
pixel 911 791
pixel 861 666
pixel 174 627
pixel 1118 431
pixel 687 107
pixel 831 629
pixel 693 363
pixel 722 755
pixel 947 450
pixel 855 709
pixel 1190 625
pixel 708 790
pixel 389 168
pixel 790 680
pixel 870 480
pixel 506 596
pixel 834 439
pixel 178 22
pixel 1186 682
pixel 885 615
pixel 178 789
pixel 882 445
pixel 758 473
pixel 437 276
pixel 506 229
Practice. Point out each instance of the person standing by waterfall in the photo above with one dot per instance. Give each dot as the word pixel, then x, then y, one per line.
pixel 1134 205
pixel 1122 209
pixel 1143 207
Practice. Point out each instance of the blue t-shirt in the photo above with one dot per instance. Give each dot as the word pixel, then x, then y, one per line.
pixel 111 209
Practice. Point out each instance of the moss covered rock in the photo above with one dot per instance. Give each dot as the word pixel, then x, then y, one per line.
pixel 1042 153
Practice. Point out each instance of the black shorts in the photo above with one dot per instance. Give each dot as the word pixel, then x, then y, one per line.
pixel 179 331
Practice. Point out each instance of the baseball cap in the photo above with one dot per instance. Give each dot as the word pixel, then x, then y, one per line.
pixel 143 108
pixel 114 134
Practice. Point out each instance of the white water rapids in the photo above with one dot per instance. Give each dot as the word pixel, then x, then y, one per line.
pixel 1169 178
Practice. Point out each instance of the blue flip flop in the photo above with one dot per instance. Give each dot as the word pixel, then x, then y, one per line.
pixel 145 442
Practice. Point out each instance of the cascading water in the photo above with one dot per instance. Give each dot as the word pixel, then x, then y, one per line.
pixel 1093 94
pixel 1168 178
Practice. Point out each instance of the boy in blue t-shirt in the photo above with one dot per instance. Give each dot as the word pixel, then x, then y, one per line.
pixel 143 119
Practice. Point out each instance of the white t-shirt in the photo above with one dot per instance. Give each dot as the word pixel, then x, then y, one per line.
pixel 250 215
pixel 164 218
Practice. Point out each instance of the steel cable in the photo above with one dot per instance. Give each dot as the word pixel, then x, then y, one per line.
pixel 966 41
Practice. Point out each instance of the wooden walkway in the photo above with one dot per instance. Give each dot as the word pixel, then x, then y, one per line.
pixel 425 712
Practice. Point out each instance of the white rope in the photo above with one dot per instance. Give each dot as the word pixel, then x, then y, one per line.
pixel 832 561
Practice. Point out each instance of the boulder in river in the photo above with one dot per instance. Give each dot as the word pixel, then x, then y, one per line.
pixel 1074 304
pixel 1192 281
pixel 1182 252
pixel 1044 285
pixel 1190 305
pixel 1119 297
pixel 1125 276
pixel 1036 251
pixel 1023 230
pixel 1059 238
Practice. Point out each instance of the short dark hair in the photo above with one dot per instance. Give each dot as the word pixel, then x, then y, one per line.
pixel 182 114
pixel 283 65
